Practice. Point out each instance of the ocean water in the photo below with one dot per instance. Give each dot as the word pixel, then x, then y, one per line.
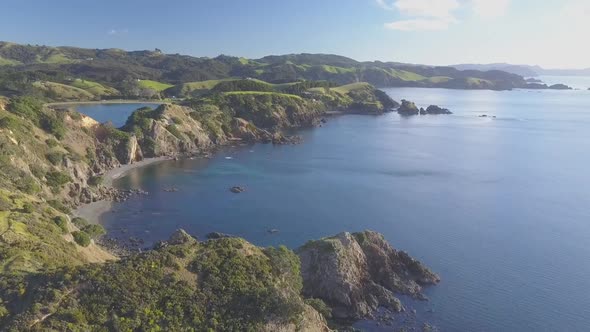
pixel 576 82
pixel 116 113
pixel 498 207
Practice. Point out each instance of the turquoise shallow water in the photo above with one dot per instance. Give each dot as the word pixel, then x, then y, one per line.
pixel 500 208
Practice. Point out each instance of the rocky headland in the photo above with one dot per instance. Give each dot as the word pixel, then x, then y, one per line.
pixel 226 283
pixel 354 274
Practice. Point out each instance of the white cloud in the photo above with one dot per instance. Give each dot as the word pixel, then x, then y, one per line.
pixel 438 14
pixel 422 14
pixel 427 8
pixel 576 12
pixel 385 5
pixel 420 24
pixel 490 8
pixel 115 32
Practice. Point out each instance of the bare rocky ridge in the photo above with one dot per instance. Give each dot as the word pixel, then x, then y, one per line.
pixel 356 273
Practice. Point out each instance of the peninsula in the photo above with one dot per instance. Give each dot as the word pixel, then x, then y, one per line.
pixel 56 159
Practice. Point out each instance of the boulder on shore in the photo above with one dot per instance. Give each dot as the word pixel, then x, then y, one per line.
pixel 356 273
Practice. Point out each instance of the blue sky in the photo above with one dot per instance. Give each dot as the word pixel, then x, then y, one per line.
pixel 551 33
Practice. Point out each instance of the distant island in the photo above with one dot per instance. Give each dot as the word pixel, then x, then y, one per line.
pixel 70 73
pixel 524 70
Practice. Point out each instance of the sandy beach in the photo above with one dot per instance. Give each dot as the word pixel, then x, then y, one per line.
pixel 93 211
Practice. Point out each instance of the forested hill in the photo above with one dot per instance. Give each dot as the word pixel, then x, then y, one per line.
pixel 23 65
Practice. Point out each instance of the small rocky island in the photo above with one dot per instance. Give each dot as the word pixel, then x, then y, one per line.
pixel 408 108
pixel 433 109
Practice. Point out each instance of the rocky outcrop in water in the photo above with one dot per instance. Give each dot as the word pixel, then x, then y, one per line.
pixel 559 87
pixel 434 109
pixel 356 273
pixel 237 189
pixel 408 108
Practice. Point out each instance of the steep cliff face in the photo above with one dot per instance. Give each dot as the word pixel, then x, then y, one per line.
pixel 272 111
pixel 129 151
pixel 356 273
pixel 394 269
pixel 169 130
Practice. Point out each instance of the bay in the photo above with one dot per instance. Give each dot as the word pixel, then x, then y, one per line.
pixel 499 207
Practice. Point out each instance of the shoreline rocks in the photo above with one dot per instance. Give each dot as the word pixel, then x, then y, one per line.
pixel 356 273
pixel 409 108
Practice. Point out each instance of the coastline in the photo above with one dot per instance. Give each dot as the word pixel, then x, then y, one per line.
pixel 113 101
pixel 93 211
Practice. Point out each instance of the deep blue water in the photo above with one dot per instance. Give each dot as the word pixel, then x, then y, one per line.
pixel 500 208
pixel 116 113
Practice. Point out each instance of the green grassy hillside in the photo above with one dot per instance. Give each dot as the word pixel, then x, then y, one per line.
pixel 189 76
pixel 154 85
pixel 193 89
pixel 58 91
pixel 94 88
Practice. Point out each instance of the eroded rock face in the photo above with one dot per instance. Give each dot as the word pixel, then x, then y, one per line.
pixel 247 131
pixel 394 269
pixel 356 273
pixel 174 132
pixel 134 153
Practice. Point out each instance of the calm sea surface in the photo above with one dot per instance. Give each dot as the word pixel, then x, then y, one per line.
pixel 500 208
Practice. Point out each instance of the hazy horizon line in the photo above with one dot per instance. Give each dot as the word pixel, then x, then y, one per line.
pixel 459 63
